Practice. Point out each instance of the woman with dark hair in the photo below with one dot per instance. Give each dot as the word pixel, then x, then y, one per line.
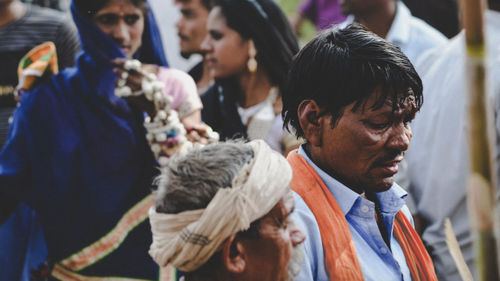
pixel 78 154
pixel 249 48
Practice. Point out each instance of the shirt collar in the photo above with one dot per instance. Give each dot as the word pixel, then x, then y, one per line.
pixel 399 33
pixel 348 20
pixel 391 200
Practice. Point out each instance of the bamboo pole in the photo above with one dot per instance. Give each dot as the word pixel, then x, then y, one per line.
pixel 482 179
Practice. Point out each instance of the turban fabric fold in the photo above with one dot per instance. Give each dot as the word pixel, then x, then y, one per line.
pixel 188 239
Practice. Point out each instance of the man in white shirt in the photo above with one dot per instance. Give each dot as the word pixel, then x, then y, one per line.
pixel 438 158
pixel 392 20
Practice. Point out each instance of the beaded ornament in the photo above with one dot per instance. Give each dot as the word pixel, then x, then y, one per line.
pixel 165 132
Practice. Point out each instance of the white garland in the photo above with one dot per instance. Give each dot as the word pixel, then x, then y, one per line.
pixel 165 132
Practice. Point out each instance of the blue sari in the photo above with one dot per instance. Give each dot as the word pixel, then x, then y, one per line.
pixel 77 155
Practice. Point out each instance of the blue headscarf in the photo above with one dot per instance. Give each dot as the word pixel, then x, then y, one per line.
pixel 99 50
pixel 77 154
pixel 102 48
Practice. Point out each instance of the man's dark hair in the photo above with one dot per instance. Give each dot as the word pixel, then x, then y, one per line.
pixel 494 5
pixel 207 4
pixel 344 66
pixel 90 7
pixel 264 22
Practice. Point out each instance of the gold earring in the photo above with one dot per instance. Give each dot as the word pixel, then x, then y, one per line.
pixel 252 62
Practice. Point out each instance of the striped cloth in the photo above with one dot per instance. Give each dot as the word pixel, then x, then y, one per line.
pixel 53 4
pixel 38 25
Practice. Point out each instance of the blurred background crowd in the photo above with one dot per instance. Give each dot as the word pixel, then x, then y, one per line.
pixel 425 30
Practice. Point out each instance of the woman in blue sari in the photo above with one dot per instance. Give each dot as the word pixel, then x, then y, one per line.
pixel 78 155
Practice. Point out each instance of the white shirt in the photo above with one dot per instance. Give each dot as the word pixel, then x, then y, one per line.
pixel 438 159
pixel 409 33
pixel 262 122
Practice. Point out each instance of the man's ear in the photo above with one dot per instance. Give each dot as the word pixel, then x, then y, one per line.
pixel 311 121
pixel 233 255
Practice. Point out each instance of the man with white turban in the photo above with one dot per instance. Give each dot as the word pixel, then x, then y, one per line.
pixel 223 213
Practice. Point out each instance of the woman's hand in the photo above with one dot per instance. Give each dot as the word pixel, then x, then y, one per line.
pixel 134 82
pixel 196 130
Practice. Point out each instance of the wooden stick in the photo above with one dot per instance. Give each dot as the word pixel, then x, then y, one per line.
pixel 456 253
pixel 482 180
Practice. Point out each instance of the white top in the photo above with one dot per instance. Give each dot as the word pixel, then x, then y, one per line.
pixel 263 123
pixel 411 34
pixel 438 154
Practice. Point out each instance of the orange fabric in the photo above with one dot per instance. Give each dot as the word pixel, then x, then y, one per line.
pixel 112 240
pixel 40 60
pixel 418 260
pixel 341 259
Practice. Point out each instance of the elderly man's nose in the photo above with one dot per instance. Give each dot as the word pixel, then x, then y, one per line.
pixel 297 236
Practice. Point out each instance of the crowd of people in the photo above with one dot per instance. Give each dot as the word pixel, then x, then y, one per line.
pixel 329 164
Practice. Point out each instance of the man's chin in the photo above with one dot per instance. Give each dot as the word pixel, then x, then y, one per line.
pixel 385 185
pixel 380 185
pixel 295 263
pixel 186 55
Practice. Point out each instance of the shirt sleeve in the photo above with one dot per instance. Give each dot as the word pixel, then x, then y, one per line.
pixel 67 44
pixel 313 266
pixel 181 87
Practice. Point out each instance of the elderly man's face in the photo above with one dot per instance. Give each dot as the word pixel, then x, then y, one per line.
pixel 364 148
pixel 269 255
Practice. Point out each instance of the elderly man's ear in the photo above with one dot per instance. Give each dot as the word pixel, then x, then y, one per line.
pixel 312 121
pixel 233 255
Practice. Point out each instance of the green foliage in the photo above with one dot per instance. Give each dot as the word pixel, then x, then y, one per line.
pixel 307 30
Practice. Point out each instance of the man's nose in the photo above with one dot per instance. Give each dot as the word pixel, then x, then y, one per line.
pixel 297 236
pixel 400 138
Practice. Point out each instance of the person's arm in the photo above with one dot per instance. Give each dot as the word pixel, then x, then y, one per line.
pixel 14 167
pixel 182 88
pixel 313 266
pixel 186 100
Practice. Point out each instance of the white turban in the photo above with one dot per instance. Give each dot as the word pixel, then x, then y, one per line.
pixel 188 239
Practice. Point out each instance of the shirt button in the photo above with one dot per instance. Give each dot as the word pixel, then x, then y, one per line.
pixel 383 250
pixel 365 209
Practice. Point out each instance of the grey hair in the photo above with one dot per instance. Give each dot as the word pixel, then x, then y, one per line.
pixel 191 180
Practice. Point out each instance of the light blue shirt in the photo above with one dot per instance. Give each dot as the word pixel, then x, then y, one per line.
pixel 377 260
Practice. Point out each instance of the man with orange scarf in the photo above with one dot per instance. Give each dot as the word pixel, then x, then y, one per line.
pixel 351 96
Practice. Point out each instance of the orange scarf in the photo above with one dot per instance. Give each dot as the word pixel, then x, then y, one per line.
pixel 340 254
